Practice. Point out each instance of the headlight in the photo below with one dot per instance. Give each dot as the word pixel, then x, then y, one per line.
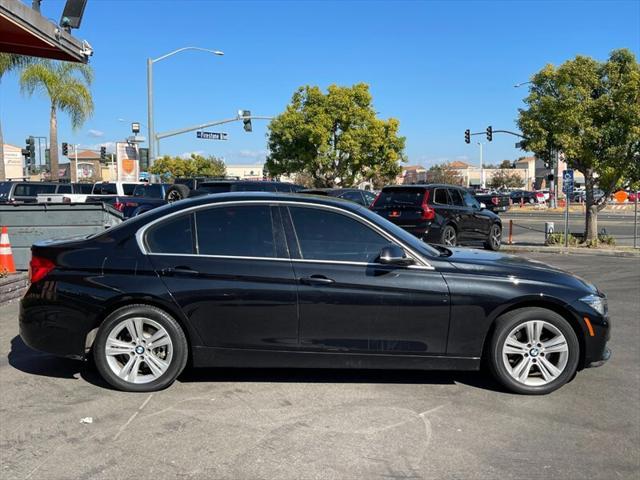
pixel 599 304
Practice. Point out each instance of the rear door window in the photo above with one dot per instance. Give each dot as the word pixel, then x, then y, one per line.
pixel 237 231
pixel 33 189
pixel 456 197
pixel 331 236
pixel 172 236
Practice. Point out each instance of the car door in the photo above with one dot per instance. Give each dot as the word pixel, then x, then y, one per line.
pixel 462 214
pixel 479 223
pixel 227 267
pixel 350 303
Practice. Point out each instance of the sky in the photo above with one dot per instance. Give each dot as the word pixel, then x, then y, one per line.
pixel 438 67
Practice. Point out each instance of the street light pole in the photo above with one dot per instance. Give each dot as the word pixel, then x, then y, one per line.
pixel 154 144
pixel 481 167
pixel 150 131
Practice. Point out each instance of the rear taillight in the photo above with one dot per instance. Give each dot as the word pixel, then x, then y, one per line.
pixel 39 268
pixel 373 204
pixel 428 213
pixel 495 200
pixel 118 206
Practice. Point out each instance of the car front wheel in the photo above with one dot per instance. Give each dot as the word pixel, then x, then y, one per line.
pixel 533 351
pixel 140 348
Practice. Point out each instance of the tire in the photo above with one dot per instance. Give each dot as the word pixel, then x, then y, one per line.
pixel 557 346
pixel 532 200
pixel 176 192
pixel 448 236
pixel 137 370
pixel 494 239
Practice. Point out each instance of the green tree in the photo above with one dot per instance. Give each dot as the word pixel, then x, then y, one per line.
pixel 505 178
pixel 444 173
pixel 506 164
pixel 590 111
pixel 8 63
pixel 197 165
pixel 67 86
pixel 335 138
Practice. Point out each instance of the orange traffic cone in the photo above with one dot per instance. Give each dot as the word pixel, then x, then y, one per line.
pixel 6 257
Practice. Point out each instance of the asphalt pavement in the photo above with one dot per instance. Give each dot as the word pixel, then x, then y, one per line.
pixel 327 424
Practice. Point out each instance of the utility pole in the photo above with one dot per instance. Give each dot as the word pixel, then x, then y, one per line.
pixel 481 167
pixel 152 139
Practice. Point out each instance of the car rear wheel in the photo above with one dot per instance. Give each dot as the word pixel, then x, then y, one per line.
pixel 177 192
pixel 448 236
pixel 494 240
pixel 140 348
pixel 533 351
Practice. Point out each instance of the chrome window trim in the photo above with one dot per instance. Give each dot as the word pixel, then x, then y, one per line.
pixel 141 231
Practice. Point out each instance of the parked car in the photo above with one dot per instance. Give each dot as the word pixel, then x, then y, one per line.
pixel 80 195
pixel 182 187
pixel 275 280
pixel 442 214
pixel 494 201
pixel 145 197
pixel 523 196
pixel 27 192
pixel 224 186
pixel 363 197
pixel 581 195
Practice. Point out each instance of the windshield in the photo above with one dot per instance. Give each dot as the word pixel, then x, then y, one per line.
pixel 393 197
pixel 5 188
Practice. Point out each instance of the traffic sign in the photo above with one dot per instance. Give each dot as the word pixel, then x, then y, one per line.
pixel 567 182
pixel 211 135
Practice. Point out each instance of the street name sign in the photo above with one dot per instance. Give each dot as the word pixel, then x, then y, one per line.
pixel 212 135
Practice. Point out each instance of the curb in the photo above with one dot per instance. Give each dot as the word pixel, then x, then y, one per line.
pixel 13 287
pixel 569 251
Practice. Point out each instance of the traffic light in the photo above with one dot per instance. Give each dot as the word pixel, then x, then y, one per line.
pixel 467 136
pixel 103 154
pixel 65 149
pixel 247 121
pixel 30 156
pixel 489 133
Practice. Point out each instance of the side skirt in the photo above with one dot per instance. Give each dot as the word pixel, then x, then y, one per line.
pixel 248 358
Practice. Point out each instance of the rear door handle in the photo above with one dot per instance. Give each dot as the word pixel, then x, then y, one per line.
pixel 180 269
pixel 316 280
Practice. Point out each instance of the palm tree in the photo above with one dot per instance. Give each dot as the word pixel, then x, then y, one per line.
pixel 9 62
pixel 67 85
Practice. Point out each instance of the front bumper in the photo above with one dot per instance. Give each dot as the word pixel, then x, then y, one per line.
pixel 606 355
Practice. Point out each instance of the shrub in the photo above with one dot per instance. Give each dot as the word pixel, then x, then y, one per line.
pixel 558 239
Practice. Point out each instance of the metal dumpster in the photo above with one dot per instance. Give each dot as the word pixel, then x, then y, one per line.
pixel 31 223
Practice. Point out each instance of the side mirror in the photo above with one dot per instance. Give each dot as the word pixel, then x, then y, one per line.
pixel 394 255
pixel 482 206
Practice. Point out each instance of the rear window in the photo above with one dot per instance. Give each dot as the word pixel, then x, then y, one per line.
pixel 395 197
pixel 148 191
pixel 83 187
pixel 254 187
pixel 32 189
pixel 64 188
pixel 105 189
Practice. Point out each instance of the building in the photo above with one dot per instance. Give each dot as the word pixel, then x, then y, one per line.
pixel 246 172
pixel 472 175
pixel 539 173
pixel 412 174
pixel 84 167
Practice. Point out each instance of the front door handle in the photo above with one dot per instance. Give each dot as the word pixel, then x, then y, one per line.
pixel 316 280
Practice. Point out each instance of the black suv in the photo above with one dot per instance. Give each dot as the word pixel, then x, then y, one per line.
pixel 442 214
pixel 362 197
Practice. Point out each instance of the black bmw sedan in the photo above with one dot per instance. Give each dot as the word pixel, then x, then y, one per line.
pixel 289 280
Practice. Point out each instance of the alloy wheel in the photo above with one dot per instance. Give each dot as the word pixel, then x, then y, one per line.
pixel 138 350
pixel 496 236
pixel 535 353
pixel 449 237
pixel 173 196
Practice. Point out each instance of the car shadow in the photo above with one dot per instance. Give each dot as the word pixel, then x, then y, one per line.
pixel 29 361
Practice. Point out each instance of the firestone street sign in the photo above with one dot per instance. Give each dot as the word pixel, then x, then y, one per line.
pixel 211 135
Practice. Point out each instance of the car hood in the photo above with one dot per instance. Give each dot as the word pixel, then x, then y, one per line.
pixel 514 267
